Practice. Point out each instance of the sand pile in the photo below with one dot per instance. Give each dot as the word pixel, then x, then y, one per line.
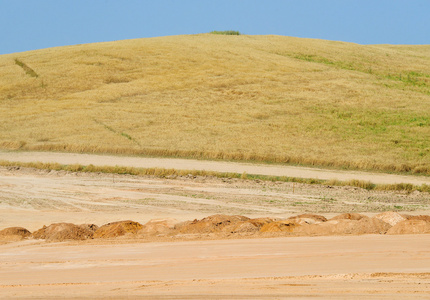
pixel 420 217
pixel 281 226
pixel 91 227
pixel 158 226
pixel 246 227
pixel 390 217
pixel 349 216
pixel 14 233
pixel 309 218
pixel 211 224
pixel 292 223
pixel 260 222
pixel 332 227
pixel 116 229
pixel 223 226
pixel 340 226
pixel 63 231
pixel 371 226
pixel 412 226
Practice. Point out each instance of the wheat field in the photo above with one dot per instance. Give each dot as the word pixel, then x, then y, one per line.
pixel 255 98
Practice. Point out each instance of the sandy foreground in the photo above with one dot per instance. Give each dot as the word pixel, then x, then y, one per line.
pixel 362 267
pixel 384 267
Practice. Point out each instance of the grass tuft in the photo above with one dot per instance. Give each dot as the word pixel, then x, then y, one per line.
pixel 226 32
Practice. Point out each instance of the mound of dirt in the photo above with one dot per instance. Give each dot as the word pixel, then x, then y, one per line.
pixel 210 224
pixel 390 217
pixel 344 227
pixel 332 227
pixel 62 232
pixel 241 228
pixel 220 226
pixel 315 218
pixel 412 226
pixel 158 226
pixel 14 233
pixel 288 225
pixel 304 221
pixel 91 227
pixel 251 226
pixel 116 229
pixel 420 217
pixel 260 222
pixel 348 216
pixel 372 226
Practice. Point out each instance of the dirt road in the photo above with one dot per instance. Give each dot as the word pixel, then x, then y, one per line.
pixel 218 166
pixel 230 269
pixel 33 198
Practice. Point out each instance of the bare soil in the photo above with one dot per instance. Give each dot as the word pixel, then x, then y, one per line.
pixel 358 267
pixel 32 198
pixel 187 267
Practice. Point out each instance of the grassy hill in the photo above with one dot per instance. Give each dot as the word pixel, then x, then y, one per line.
pixel 261 98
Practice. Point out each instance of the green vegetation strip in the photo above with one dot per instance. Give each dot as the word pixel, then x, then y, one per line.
pixel 409 78
pixel 226 32
pixel 27 69
pixel 127 136
pixel 163 173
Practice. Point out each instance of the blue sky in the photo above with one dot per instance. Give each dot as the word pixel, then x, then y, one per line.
pixel 30 24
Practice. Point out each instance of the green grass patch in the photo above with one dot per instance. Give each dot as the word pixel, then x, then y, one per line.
pixel 127 136
pixel 412 79
pixel 27 69
pixel 226 32
pixel 326 61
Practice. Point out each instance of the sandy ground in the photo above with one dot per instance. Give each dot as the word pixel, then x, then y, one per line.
pixel 385 267
pixel 218 166
pixel 33 198
pixel 357 267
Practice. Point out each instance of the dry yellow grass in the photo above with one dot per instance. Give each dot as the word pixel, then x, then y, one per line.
pixel 265 98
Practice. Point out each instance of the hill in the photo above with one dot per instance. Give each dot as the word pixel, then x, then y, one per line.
pixel 257 98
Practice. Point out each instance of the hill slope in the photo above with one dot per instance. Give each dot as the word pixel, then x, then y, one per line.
pixel 260 98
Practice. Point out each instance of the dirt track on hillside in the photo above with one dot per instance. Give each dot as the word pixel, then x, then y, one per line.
pixel 218 166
